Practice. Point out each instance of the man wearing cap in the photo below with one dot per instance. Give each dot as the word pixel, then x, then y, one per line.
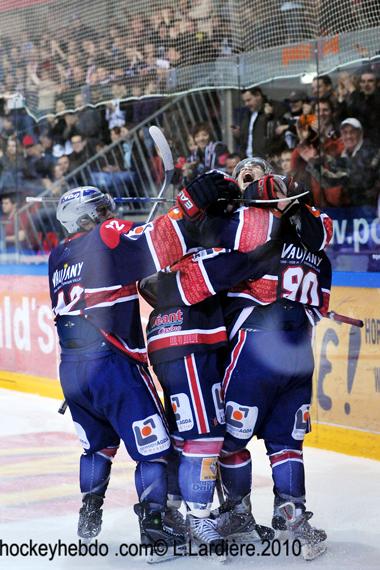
pixel 360 160
pixel 287 127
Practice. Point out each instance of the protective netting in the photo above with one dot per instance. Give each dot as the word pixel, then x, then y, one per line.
pixel 63 53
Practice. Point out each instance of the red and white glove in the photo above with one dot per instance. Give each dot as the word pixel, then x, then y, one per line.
pixel 205 190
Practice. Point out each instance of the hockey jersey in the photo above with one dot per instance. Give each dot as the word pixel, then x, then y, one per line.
pixel 92 276
pixel 293 266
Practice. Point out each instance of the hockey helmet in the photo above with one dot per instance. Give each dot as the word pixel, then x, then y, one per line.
pixel 82 204
pixel 244 167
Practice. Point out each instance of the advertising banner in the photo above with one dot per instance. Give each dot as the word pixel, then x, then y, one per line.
pixel 346 407
pixel 347 379
pixel 28 341
pixel 356 242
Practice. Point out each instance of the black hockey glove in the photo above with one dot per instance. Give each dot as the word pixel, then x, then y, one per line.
pixel 205 190
pixel 148 289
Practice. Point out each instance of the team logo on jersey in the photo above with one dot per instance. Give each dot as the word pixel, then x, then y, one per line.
pixel 150 435
pixel 209 469
pixel 82 436
pixel 300 254
pixel 216 391
pixel 302 424
pixel 67 274
pixel 167 322
pixel 135 233
pixel 241 420
pixel 182 412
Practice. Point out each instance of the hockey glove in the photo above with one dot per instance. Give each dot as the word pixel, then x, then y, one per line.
pixel 148 289
pixel 205 190
pixel 269 187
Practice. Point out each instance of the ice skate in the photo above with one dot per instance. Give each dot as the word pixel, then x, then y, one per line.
pixel 90 517
pixel 234 520
pixel 165 542
pixel 203 534
pixel 296 525
pixel 175 519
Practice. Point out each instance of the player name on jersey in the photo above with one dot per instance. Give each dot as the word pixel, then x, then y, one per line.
pixel 301 254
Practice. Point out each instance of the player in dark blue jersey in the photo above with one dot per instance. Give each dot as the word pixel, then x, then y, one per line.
pixel 103 370
pixel 268 381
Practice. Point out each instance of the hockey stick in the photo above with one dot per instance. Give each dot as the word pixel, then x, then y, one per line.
pixel 344 319
pixel 167 159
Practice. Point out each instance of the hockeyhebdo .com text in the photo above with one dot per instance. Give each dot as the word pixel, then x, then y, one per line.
pixel 159 549
pixel 356 233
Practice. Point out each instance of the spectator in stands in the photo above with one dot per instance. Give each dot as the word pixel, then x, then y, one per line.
pixel 36 169
pixel 286 162
pixel 80 153
pixel 347 84
pixel 13 228
pixel 7 130
pixel 364 105
pixel 322 88
pixel 12 164
pixel 46 141
pixel 115 175
pixel 318 172
pixel 360 161
pixel 208 154
pixel 328 132
pixel 232 160
pixel 286 129
pixel 89 122
pixel 64 164
pixel 57 185
pixel 40 80
pixel 69 130
pixel 251 135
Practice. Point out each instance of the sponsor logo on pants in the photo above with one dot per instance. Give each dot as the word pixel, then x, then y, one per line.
pixel 150 435
pixel 241 420
pixel 182 411
pixel 209 469
pixel 218 403
pixel 302 423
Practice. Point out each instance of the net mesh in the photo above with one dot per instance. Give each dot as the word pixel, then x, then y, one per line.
pixel 63 54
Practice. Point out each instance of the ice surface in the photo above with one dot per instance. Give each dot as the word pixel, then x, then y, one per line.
pixel 39 498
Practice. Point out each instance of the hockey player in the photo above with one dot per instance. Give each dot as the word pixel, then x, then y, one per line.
pixel 268 382
pixel 92 284
pixel 187 348
pixel 103 370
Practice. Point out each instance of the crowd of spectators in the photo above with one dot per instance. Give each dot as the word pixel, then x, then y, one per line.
pixel 131 55
pixel 326 138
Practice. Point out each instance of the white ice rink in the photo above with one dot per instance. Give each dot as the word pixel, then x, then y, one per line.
pixel 39 497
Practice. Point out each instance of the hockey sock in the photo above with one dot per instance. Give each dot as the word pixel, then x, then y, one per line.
pixel 174 494
pixel 151 483
pixel 95 471
pixel 236 473
pixel 288 474
pixel 197 474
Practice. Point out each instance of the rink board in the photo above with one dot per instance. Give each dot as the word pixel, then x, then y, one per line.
pixel 346 385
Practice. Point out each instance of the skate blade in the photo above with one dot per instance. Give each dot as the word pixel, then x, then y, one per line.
pixel 312 551
pixel 247 537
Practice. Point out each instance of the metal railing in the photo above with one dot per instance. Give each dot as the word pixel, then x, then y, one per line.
pixel 129 167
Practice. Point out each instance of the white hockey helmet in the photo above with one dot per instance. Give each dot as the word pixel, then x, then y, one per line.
pixel 266 167
pixel 80 204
